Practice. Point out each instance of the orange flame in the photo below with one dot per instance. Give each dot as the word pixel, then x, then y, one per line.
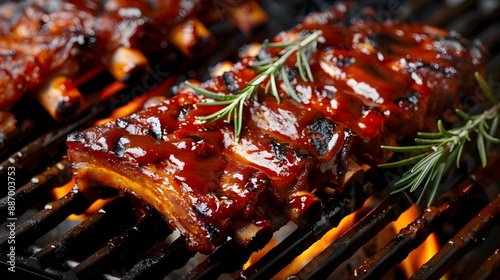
pixel 61 191
pixel 410 265
pixel 300 261
pixel 424 252
pixel 259 254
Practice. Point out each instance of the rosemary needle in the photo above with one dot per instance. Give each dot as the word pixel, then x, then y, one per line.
pixel 435 152
pixel 269 71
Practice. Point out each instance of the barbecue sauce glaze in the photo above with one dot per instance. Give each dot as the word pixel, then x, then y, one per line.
pixel 373 81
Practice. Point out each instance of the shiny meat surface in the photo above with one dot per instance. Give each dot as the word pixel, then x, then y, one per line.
pixel 374 81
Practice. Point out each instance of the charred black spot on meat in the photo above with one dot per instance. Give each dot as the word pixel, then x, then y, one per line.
pixel 344 152
pixel 230 82
pixel 182 113
pixel 448 72
pixel 330 94
pixel 156 129
pixel 290 73
pixel 446 46
pixel 195 138
pixel 408 102
pixel 121 123
pixel 279 150
pixel 76 137
pixel 322 132
pixel 434 66
pixel 89 41
pixel 344 61
pixel 413 98
pixel 120 148
pixel 213 231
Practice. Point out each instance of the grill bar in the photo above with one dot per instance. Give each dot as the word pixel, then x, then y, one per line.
pixel 218 262
pixel 410 237
pixel 33 191
pixel 473 19
pixel 290 248
pixel 489 37
pixel 53 214
pixel 461 243
pixel 12 141
pixel 302 238
pixel 167 259
pixel 86 236
pixel 490 269
pixel 346 245
pixel 448 12
pixel 138 237
pixel 48 146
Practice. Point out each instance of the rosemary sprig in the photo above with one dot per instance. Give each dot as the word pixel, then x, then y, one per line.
pixel 435 152
pixel 269 72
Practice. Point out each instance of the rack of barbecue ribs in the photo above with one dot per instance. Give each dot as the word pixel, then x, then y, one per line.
pixel 373 81
pixel 45 45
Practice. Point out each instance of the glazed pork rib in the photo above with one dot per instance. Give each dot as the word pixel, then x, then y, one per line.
pixel 45 45
pixel 49 43
pixel 373 81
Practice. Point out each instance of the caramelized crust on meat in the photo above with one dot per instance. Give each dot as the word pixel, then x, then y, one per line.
pixel 373 82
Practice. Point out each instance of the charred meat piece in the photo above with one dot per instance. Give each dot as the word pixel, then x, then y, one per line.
pixel 371 84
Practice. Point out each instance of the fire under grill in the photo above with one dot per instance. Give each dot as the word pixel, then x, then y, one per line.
pixel 117 243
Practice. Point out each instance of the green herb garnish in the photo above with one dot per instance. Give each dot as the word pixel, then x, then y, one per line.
pixel 435 152
pixel 269 71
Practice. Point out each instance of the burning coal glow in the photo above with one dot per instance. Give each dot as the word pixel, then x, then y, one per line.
pixel 408 267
